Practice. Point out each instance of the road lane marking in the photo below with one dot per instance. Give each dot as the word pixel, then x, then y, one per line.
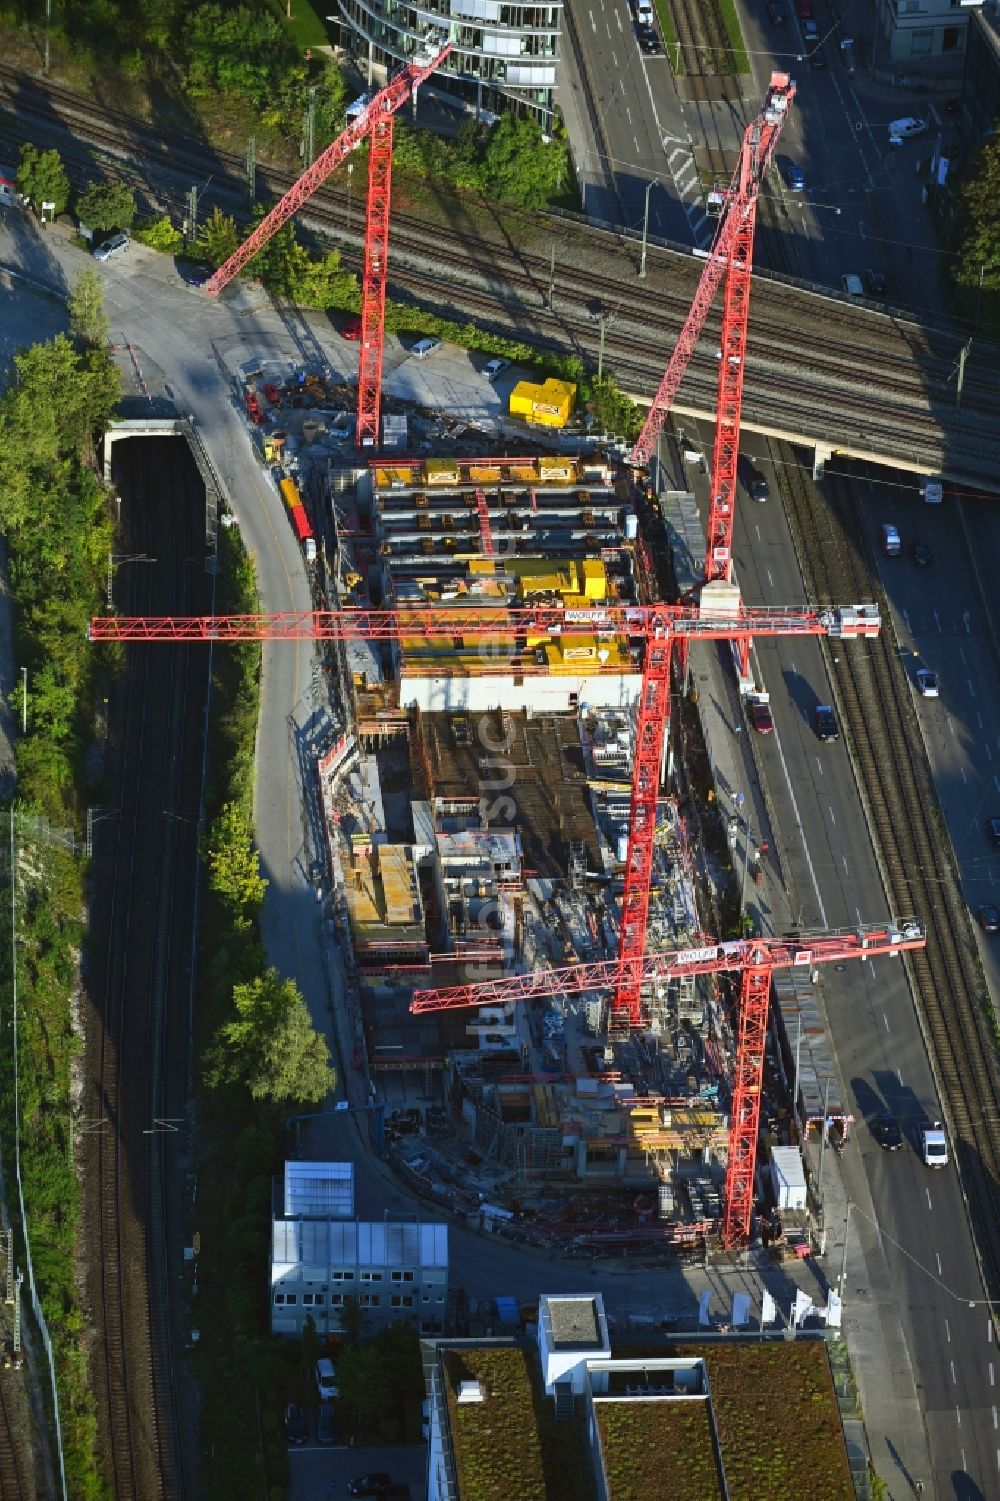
pixel 953 1376
pixel 989 1331
pixel 964 777
pixel 992 1380
pixel 801 831
pixel 930 1206
pixel 593 23
pixel 958 1414
pixel 961 653
pixel 899 1076
pixel 938 1256
pixel 989 753
pixel 843 861
pixel 615 62
pixel 635 142
pixel 947 1330
pixel 833 816
pixel 628 112
pixel 770 581
pixel 995 1424
pixel 886 1020
pixel 619 20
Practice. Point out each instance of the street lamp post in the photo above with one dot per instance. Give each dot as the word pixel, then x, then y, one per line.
pixel 645 225
pixel 842 1280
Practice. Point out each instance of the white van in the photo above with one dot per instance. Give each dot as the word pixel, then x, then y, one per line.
pixel 852 285
pixel 909 125
pixel 934 1145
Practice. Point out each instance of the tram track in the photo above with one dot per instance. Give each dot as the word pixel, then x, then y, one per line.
pixel 15 1484
pixel 918 867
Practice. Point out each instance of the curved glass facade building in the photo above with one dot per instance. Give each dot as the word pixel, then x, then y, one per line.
pixel 504 54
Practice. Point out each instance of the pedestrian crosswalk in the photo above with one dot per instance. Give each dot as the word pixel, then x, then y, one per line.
pixel 690 196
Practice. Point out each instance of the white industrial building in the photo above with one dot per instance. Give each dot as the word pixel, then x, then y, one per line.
pixel 322 1257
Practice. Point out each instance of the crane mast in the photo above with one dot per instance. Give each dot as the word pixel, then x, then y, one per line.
pixel 730 259
pixel 374 121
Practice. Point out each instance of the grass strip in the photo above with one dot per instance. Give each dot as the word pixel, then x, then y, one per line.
pixel 670 41
pixel 739 62
pixel 304 26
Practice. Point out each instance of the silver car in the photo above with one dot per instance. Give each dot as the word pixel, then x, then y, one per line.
pixel 111 247
pixel 423 347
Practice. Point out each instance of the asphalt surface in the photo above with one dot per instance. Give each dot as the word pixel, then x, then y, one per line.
pixel 832 881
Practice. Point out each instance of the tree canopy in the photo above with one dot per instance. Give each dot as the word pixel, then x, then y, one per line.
pixel 42 177
pixel 271 1046
pixel 979 200
pixel 234 864
pixel 87 319
pixel 106 205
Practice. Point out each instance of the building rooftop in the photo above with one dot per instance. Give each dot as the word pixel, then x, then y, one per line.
pixel 574 1322
pixel 655 1449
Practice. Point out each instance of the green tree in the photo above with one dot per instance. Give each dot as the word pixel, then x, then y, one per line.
pixel 520 167
pixel 979 201
pixel 282 264
pixel 162 235
pixel 87 319
pixel 234 863
pixel 239 50
pixel 107 205
pixel 612 409
pixel 271 1045
pixel 41 177
pixel 218 237
pixel 324 283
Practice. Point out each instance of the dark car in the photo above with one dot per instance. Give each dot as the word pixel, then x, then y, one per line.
pixel 993 832
pixel 989 919
pixel 921 555
pixel 326 1424
pixel 806 10
pixel 375 1484
pixel 777 12
pixel 875 283
pixel 817 58
pixel 759 489
pixel 194 274
pixel 649 41
pixel 793 174
pixel 885 1129
pixel 759 711
pixel 824 723
pixel 296 1424
pixel 351 328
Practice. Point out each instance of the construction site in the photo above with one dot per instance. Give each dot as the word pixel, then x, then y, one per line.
pixel 528 928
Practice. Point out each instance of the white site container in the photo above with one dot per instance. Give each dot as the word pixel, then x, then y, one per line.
pixel 788 1177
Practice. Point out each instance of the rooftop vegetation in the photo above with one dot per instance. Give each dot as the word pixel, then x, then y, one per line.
pixel 777 1418
pixel 510 1447
pixel 655 1448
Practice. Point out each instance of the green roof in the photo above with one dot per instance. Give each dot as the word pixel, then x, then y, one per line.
pixel 658 1448
pixel 510 1447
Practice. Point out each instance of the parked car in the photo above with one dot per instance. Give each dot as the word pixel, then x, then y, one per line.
pixel 793 174
pixel 851 284
pixel 810 33
pixel 806 9
pixel 326 1379
pixel 296 1424
pixel 993 832
pixel 495 367
pixel 905 128
pixel 423 347
pixel 927 683
pixel 317 879
pixel 375 1484
pixel 875 283
pixel 824 723
pixel 194 273
pixel 326 1424
pixel 759 711
pixel 921 555
pixel 777 14
pixel 989 919
pixel 885 1129
pixel 352 328
pixel 115 246
pixel 649 42
pixel 817 58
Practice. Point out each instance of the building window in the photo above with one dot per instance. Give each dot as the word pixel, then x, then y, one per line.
pixel 402 1276
pixel 951 39
pixel 279 1298
pixel 400 1300
pixel 307 1299
pixel 921 43
pixel 371 1276
pixel 336 1300
pixel 291 1298
pixel 369 1300
pixel 342 1276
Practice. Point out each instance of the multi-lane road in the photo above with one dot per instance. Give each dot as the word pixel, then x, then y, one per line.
pixel 922 1237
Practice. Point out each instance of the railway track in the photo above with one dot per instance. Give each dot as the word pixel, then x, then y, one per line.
pixel 703 47
pixel 136 1073
pixel 15 1483
pixel 876 701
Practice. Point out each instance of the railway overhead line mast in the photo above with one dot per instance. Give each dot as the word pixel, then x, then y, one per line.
pixel 375 121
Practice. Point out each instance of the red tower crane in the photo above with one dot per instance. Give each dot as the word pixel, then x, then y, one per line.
pixel 731 257
pixel 652 630
pixel 757 958
pixel 375 120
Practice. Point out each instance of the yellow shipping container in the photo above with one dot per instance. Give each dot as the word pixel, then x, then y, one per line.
pixel 480 474
pixel 547 405
pixel 440 472
pixel 557 471
pixel 398 474
pixel 595 578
